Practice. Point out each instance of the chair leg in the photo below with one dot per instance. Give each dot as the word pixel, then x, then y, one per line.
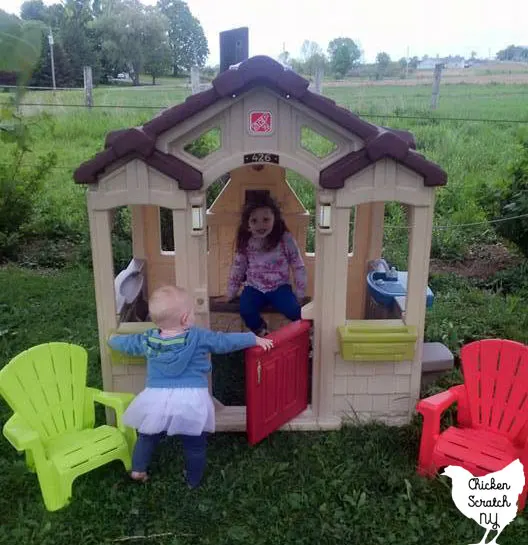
pixel 126 458
pixel 428 471
pixel 131 438
pixel 30 462
pixel 52 491
pixel 426 466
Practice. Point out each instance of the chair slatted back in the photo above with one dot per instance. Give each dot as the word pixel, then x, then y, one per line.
pixel 496 379
pixel 46 386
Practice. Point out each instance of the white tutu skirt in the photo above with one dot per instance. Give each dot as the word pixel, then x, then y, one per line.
pixel 187 411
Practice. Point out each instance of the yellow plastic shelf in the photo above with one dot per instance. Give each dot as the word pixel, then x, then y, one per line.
pixel 119 358
pixel 377 340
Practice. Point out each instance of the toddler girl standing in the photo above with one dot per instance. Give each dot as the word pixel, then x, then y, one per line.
pixel 176 400
pixel 265 253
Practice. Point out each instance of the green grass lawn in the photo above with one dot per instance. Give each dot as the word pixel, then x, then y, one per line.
pixel 356 485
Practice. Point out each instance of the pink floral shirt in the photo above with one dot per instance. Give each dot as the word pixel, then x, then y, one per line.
pixel 267 271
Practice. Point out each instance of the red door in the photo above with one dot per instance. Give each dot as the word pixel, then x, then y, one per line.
pixel 277 381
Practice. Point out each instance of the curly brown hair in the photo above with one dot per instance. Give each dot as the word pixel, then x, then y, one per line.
pixel 279 226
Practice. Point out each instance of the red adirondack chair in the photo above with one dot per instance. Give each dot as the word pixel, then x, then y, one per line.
pixel 492 413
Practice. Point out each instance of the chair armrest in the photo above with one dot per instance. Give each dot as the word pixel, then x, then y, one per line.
pixel 118 401
pixel 21 435
pixel 438 403
pixel 432 408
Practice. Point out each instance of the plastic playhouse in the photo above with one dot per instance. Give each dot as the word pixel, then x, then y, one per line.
pixel 259 112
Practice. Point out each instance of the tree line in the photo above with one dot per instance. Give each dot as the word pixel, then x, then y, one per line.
pixel 115 36
pixel 343 58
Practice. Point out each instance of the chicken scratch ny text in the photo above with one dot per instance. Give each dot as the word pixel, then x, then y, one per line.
pixel 475 484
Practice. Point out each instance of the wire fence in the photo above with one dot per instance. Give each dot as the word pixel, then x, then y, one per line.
pixel 431 117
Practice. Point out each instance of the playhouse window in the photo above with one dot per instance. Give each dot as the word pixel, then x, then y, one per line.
pixel 395 252
pixel 316 143
pixel 207 143
pixel 121 238
pixel 256 194
pixel 166 230
pixel 396 235
pixel 215 189
pixel 305 191
pixel 351 226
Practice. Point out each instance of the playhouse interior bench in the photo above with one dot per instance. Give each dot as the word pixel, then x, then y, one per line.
pixel 215 305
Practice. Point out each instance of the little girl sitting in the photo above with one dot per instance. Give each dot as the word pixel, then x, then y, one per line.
pixel 265 252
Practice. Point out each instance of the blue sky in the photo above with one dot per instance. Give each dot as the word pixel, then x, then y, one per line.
pixel 416 27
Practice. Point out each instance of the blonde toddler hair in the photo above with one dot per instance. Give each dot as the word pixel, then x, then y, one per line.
pixel 167 305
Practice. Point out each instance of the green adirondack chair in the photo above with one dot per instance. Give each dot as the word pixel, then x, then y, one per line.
pixel 54 418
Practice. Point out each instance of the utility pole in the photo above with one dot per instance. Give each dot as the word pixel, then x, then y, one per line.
pixel 50 41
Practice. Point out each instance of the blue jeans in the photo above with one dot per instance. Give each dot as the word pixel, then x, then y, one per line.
pixel 194 451
pixel 252 301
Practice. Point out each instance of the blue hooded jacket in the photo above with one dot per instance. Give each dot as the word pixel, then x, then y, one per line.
pixel 181 361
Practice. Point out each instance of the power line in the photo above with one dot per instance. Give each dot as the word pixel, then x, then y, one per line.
pixel 444 96
pixel 107 106
pixel 437 118
pixel 457 225
pixel 167 89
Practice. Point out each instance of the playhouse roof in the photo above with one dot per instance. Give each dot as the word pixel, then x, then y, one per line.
pixel 263 71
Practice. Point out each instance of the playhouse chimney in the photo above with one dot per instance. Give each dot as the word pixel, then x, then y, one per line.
pixel 233 47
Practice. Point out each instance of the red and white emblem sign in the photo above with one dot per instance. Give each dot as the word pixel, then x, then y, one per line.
pixel 260 122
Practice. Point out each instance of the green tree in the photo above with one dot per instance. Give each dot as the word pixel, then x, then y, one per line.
pixel 157 49
pixel 132 37
pixel 42 77
pixel 404 66
pixel 186 36
pixel 344 54
pixel 284 58
pixel 77 37
pixel 34 10
pixel 513 53
pixel 413 63
pixel 312 57
pixel 20 46
pixel 56 14
pixel 383 61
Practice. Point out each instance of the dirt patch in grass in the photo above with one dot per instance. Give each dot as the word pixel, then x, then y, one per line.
pixel 481 262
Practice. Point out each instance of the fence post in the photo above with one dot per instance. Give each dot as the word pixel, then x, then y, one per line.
pixel 195 80
pixel 88 86
pixel 319 74
pixel 436 85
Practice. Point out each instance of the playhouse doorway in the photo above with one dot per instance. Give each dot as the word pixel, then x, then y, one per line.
pixel 231 380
